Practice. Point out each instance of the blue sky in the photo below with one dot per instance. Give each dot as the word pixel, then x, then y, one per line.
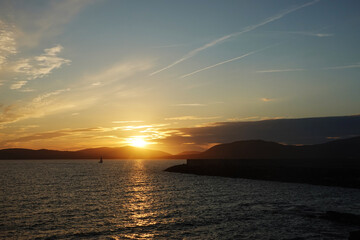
pixel 114 71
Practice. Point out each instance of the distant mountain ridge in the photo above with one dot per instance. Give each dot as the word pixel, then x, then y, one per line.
pixel 126 152
pixel 259 149
pixel 248 149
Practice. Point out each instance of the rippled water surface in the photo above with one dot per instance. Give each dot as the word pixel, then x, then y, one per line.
pixel 136 199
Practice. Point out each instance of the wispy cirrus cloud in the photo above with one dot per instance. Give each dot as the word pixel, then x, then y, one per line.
pixel 37 66
pixel 75 98
pixel 27 31
pixel 267 99
pixel 121 122
pixel 170 46
pixel 130 128
pixel 42 65
pixel 320 35
pixel 17 85
pixel 50 135
pixel 189 105
pixel 187 118
pixel 254 118
pixel 39 106
pixel 49 94
pixel 7 42
pixel 49 23
pixel 229 36
pixel 117 72
pixel 61 138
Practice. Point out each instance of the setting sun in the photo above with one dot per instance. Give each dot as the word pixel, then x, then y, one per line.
pixel 137 142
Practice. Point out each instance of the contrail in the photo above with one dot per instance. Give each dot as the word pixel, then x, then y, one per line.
pixel 314 34
pixel 281 70
pixel 230 60
pixel 222 39
pixel 343 67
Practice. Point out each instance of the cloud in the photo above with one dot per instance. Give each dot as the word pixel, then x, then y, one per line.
pixel 130 128
pixel 226 37
pixel 48 23
pixel 49 135
pixel 29 29
pixel 42 65
pixel 26 90
pixel 333 138
pixel 40 98
pixel 183 118
pixel 190 105
pixel 281 70
pixel 121 122
pixel 77 97
pixel 34 67
pixel 96 84
pixel 117 72
pixel 289 131
pixel 170 46
pixel 227 61
pixel 37 136
pixel 244 119
pixel 267 99
pixel 18 84
pixel 321 34
pixel 254 118
pixel 39 106
pixel 7 42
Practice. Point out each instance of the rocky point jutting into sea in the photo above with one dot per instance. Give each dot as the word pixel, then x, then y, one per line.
pixel 336 163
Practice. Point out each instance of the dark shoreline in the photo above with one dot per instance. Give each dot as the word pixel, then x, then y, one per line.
pixel 334 172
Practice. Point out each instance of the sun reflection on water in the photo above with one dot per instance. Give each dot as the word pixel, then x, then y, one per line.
pixel 140 205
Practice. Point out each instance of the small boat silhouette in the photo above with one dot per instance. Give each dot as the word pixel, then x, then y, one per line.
pixel 101 160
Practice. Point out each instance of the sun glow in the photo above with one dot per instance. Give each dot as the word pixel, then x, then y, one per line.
pixel 137 142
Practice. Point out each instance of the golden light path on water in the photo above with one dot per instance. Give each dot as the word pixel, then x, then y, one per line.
pixel 142 213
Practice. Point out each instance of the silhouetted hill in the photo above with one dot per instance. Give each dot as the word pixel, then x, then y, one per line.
pixel 336 163
pixel 185 155
pixel 188 153
pixel 91 153
pixel 258 149
pixel 249 149
pixel 343 148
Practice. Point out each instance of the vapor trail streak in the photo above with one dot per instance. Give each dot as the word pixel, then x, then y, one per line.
pixel 230 60
pixel 222 39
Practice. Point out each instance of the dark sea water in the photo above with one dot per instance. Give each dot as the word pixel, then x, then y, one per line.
pixel 136 199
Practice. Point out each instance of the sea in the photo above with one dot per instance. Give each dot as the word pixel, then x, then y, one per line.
pixel 137 199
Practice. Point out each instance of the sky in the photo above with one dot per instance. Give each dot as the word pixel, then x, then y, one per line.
pixel 172 75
